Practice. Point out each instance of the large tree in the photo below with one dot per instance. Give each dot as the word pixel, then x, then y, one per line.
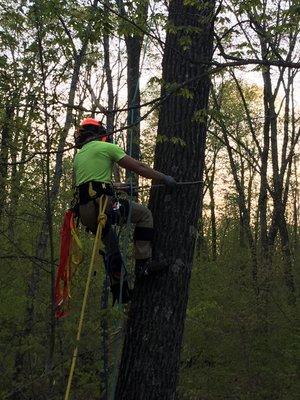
pixel 150 358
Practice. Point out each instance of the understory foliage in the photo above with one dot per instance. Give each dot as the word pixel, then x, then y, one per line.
pixel 241 338
pixel 238 345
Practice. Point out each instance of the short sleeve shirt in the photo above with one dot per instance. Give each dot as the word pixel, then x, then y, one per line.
pixel 95 161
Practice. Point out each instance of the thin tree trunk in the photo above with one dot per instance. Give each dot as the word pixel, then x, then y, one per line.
pixel 4 152
pixel 134 44
pixel 49 210
pixel 109 81
pixel 110 96
pixel 150 358
pixel 18 171
pixel 210 182
pixel 104 376
pixel 289 259
pixel 201 244
pixel 213 223
pixel 279 208
pixel 296 206
pixel 133 47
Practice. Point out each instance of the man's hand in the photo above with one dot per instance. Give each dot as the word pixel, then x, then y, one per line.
pixel 169 181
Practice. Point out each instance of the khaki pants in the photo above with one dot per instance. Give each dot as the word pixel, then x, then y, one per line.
pixel 139 215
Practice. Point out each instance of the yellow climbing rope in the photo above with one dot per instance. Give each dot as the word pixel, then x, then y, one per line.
pixel 97 243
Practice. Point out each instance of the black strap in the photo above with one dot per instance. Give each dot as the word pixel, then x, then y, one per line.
pixel 88 191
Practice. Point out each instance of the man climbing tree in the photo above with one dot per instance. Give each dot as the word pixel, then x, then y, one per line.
pixel 150 358
pixel 93 167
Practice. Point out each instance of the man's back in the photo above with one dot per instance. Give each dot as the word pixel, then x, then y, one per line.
pixel 94 162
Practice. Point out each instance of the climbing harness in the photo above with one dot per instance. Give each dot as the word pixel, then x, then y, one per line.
pixel 98 245
pixel 92 190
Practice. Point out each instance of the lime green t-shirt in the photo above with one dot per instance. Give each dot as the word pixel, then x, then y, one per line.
pixel 95 160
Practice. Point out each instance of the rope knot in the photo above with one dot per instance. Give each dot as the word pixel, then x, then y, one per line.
pixel 102 218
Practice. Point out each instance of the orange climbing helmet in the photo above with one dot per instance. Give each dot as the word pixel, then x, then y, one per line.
pixel 91 121
pixel 90 128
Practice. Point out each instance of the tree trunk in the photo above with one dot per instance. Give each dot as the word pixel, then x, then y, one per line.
pixel 202 246
pixel 278 201
pixel 213 222
pixel 104 375
pixel 133 47
pixel 6 134
pixel 295 207
pixel 110 89
pixel 134 42
pixel 110 96
pixel 17 172
pixel 150 359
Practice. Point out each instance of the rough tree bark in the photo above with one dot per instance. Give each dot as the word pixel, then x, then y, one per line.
pixel 150 359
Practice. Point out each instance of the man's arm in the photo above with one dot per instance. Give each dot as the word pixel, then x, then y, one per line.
pixel 140 168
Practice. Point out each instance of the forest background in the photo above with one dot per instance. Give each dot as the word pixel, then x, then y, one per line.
pixel 62 61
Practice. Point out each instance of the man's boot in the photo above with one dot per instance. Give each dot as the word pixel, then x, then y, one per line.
pixel 114 266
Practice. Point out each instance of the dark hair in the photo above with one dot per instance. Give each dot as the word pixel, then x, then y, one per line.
pixel 87 133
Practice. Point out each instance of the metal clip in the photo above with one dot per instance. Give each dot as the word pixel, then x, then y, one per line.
pixel 116 206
